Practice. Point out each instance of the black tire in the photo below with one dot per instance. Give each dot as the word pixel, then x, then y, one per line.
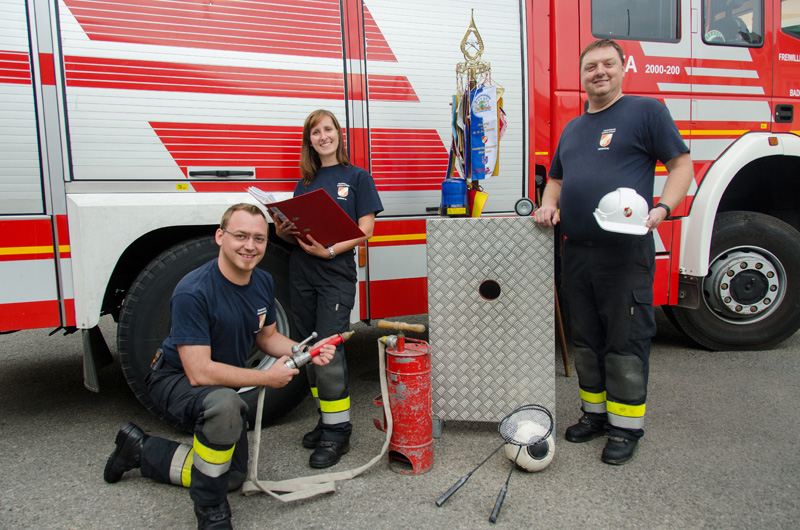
pixel 145 321
pixel 751 295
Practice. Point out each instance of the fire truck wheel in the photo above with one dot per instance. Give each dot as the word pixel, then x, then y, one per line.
pixel 144 322
pixel 749 297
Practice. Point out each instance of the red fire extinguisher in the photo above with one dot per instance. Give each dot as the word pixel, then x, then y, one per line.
pixel 408 374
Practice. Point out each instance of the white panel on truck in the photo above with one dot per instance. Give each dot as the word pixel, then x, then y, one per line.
pixel 20 176
pixel 155 90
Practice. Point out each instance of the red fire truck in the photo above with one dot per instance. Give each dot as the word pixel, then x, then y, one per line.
pixel 129 125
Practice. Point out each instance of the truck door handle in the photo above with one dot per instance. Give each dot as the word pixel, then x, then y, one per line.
pixel 220 173
pixel 784 113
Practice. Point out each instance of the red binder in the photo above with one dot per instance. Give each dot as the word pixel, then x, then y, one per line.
pixel 314 213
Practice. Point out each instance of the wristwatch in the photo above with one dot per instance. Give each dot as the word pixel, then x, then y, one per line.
pixel 333 254
pixel 667 208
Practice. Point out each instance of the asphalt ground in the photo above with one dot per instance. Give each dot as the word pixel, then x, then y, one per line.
pixel 720 451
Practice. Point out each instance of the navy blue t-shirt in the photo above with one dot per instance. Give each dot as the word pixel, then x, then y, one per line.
pixel 602 151
pixel 351 187
pixel 209 310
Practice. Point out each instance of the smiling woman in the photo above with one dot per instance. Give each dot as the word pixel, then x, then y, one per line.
pixel 323 278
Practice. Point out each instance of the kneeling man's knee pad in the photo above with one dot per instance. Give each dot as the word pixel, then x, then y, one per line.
pixel 224 413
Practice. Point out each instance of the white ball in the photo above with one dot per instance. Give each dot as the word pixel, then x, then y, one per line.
pixel 535 457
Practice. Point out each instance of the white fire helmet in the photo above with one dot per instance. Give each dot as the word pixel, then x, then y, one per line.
pixel 535 457
pixel 623 211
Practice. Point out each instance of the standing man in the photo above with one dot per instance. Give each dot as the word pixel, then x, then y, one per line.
pixel 607 279
pixel 218 312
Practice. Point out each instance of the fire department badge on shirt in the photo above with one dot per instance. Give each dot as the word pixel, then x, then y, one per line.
pixel 262 318
pixel 343 191
pixel 605 139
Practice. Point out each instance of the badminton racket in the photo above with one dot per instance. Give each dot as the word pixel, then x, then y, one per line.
pixel 526 426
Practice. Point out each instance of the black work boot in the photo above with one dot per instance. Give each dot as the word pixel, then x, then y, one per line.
pixel 328 453
pixel 213 517
pixel 618 450
pixel 311 439
pixel 127 454
pixel 585 430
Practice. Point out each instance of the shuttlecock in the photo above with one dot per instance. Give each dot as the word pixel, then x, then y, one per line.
pixel 527 429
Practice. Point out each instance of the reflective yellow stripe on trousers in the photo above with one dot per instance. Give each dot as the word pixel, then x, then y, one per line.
pixel 334 412
pixel 593 402
pixel 180 469
pixel 626 416
pixel 210 462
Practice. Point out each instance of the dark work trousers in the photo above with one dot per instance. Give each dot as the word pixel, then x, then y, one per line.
pixel 218 417
pixel 608 294
pixel 323 293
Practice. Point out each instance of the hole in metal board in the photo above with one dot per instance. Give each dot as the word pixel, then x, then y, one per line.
pixel 489 290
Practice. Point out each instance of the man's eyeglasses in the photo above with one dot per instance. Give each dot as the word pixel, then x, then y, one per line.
pixel 242 238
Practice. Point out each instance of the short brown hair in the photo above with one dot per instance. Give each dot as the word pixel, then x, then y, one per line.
pixel 252 209
pixel 602 43
pixel 309 158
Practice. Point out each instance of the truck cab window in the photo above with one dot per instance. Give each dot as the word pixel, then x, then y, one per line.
pixel 648 20
pixel 790 17
pixel 733 22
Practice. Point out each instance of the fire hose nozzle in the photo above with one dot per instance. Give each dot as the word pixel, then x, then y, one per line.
pixel 298 360
pixel 300 345
pixel 389 340
pixel 305 356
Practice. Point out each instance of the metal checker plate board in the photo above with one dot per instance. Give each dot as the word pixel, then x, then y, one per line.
pixel 490 356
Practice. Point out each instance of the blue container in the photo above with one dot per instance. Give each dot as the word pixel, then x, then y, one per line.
pixel 454 198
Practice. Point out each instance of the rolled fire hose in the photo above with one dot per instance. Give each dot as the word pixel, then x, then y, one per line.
pixel 308 486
